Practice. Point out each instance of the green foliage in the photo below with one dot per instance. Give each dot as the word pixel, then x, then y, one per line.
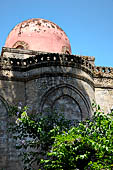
pixel 54 143
pixel 87 146
pixel 34 134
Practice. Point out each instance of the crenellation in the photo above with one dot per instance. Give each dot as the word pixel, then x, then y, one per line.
pixel 45 59
pixel 103 71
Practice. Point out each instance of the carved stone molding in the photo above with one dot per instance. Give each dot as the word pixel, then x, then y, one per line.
pixel 75 101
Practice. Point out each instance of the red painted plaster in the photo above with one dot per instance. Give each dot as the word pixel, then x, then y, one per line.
pixel 40 35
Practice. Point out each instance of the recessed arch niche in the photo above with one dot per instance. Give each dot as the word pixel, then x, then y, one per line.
pixel 68 99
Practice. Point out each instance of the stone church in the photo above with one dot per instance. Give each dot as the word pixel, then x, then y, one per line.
pixel 38 69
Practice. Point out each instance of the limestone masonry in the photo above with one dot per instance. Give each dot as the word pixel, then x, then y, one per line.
pixel 38 69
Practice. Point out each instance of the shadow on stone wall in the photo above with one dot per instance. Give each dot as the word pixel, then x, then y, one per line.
pixel 12 92
pixel 42 81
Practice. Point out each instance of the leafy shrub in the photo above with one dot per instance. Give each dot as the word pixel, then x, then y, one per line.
pixel 87 146
pixel 54 143
pixel 34 133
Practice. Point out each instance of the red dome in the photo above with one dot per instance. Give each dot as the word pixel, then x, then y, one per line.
pixel 39 35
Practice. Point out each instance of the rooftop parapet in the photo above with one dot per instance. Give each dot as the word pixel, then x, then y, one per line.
pixel 103 72
pixel 91 59
pixel 41 59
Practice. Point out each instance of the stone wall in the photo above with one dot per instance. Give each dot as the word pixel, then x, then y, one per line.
pixel 103 80
pixel 49 81
pixel 3 133
pixel 43 93
pixel 12 92
pixel 42 73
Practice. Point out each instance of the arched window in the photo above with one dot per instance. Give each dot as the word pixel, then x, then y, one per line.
pixel 65 50
pixel 21 45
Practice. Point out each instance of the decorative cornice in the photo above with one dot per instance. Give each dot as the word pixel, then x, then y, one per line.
pixel 103 72
pixel 40 59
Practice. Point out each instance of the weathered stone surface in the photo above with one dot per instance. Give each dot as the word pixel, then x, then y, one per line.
pixel 66 83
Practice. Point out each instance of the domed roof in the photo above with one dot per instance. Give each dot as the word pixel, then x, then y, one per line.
pixel 39 35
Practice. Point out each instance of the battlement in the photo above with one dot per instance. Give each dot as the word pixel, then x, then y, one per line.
pixel 24 60
pixel 91 59
pixel 16 60
pixel 103 72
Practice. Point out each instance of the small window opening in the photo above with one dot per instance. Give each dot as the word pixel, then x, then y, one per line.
pixel 20 47
pixel 67 52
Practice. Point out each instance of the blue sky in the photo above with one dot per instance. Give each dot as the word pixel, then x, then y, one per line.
pixel 88 23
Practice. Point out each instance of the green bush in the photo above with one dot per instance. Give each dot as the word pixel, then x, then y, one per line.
pixel 34 133
pixel 54 143
pixel 89 146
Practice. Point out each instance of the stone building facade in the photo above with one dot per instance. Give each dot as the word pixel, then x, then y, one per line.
pixel 38 69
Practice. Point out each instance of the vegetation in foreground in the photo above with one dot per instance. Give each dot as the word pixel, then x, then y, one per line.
pixel 54 143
